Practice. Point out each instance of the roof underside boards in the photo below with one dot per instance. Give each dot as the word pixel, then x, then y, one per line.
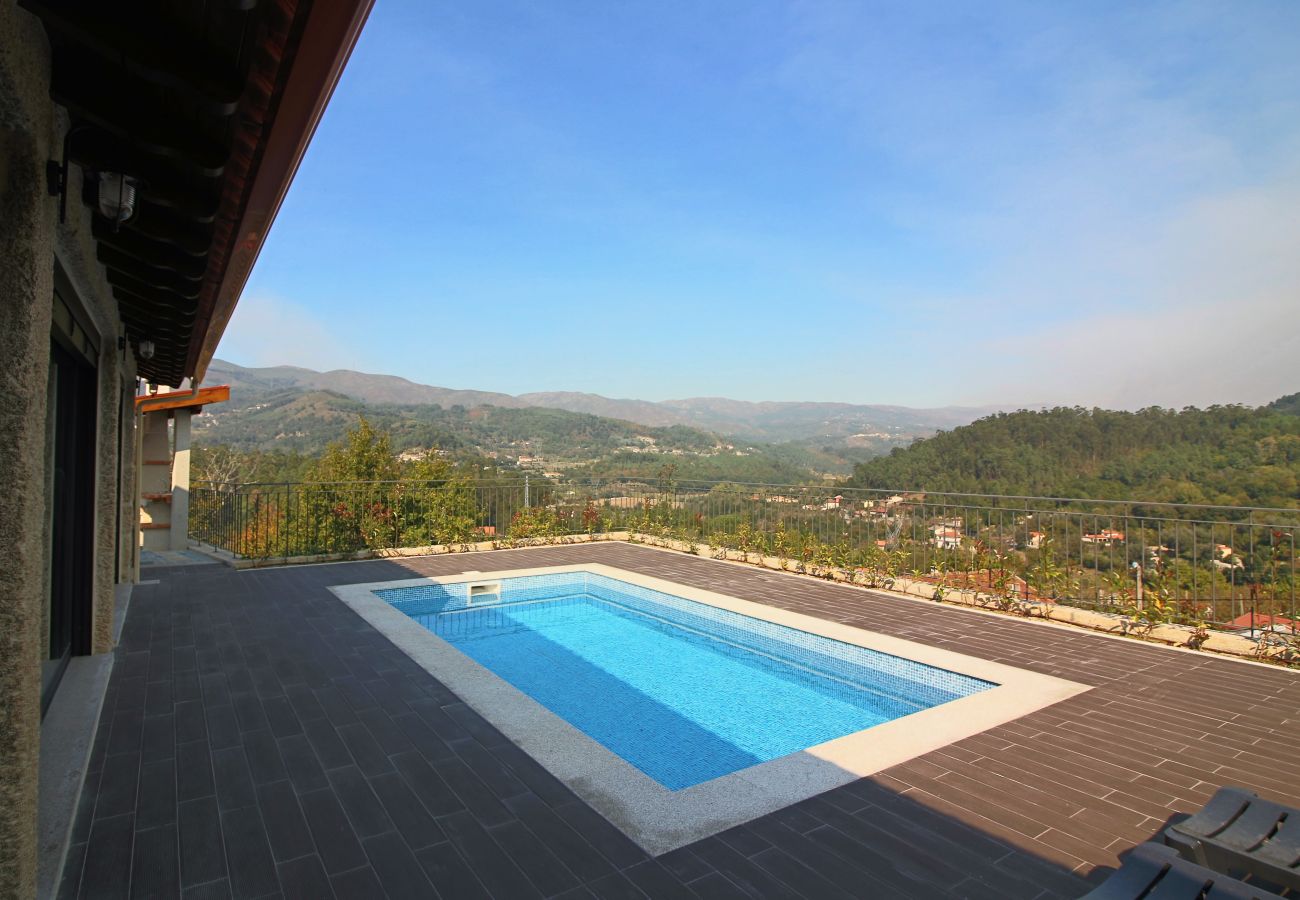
pixel 209 105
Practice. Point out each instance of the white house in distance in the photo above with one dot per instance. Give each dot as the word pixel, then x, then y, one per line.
pixel 1226 558
pixel 946 537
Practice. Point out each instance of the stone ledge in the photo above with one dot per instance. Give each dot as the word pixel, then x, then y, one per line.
pixel 404 552
pixel 67 737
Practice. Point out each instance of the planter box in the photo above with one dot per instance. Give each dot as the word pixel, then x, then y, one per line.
pixel 1110 623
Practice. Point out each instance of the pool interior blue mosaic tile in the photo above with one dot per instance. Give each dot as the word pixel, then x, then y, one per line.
pixel 684 691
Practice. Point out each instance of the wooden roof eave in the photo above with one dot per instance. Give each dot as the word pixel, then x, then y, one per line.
pixel 208 109
pixel 327 41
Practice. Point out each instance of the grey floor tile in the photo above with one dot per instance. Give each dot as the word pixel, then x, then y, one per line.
pixel 364 811
pixel 534 859
pixel 655 881
pixel 285 824
pixel 499 875
pixel 406 811
pixel 212 890
pixel 107 866
pixel 263 754
pixel 233 779
pixel 304 878
pixel 248 853
pixel 194 771
pixel 203 855
pixel 248 709
pixel 437 797
pixel 324 739
pixel 301 763
pixel 190 722
pixel 449 872
pixel 336 842
pixel 70 882
pixel 279 712
pixel 117 785
pixel 365 750
pixel 223 727
pixel 159 738
pixel 396 867
pixel 156 868
pixel 157 798
pixel 357 884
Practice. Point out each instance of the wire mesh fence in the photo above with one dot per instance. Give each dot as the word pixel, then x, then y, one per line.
pixel 1229 567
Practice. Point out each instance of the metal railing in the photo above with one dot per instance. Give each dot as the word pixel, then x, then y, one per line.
pixel 1231 567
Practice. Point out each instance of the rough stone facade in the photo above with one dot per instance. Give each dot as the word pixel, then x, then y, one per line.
pixel 31 130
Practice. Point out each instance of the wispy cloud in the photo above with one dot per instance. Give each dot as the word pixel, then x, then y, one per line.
pixel 1119 191
pixel 268 330
pixel 1220 292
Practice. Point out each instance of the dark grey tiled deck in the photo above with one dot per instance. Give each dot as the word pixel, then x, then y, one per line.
pixel 260 739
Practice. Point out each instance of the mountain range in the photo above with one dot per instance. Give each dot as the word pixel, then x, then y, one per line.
pixel 772 422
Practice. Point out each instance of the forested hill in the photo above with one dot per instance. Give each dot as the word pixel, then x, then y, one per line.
pixel 1231 455
pixel 305 421
pixel 1290 404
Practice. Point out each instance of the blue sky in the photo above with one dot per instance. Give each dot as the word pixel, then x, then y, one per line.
pixel 925 203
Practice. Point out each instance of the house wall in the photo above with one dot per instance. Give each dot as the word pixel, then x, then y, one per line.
pixel 31 130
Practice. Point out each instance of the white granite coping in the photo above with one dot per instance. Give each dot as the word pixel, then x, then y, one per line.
pixel 657 818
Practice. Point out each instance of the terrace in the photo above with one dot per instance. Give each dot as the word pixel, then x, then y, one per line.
pixel 259 737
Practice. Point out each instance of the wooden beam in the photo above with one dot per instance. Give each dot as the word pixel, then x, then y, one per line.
pixel 185 235
pixel 129 273
pixel 219 393
pixel 145 270
pixel 147 250
pixel 163 298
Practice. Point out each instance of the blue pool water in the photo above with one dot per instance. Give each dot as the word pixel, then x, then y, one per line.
pixel 683 691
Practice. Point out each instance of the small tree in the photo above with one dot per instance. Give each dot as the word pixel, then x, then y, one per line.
pixel 357 509
pixel 364 455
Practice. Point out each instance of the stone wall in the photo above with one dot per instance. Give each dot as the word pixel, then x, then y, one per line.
pixel 26 274
pixel 31 131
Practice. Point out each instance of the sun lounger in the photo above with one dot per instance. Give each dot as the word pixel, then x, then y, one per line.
pixel 1152 871
pixel 1240 833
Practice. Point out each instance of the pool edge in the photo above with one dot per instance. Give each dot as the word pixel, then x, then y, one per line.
pixel 658 819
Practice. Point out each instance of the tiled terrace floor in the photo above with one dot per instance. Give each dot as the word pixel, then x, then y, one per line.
pixel 260 739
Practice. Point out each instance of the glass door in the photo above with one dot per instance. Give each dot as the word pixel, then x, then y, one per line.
pixel 70 492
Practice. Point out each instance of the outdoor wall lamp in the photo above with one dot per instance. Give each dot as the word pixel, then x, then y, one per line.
pixel 115 193
pixel 116 197
pixel 145 349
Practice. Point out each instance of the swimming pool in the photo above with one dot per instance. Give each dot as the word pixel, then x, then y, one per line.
pixel 677 712
pixel 683 691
